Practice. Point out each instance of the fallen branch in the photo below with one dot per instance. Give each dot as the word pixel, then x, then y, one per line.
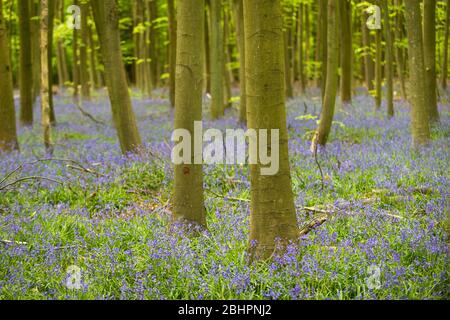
pixel 228 198
pixel 6 186
pixel 88 115
pixel 313 224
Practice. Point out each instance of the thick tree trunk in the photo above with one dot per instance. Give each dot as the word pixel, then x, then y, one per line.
pixel 217 60
pixel 188 206
pixel 26 65
pixel 346 51
pixel 429 49
pixel 8 132
pixel 106 18
pixel 239 18
pixel 172 49
pixel 272 215
pixel 326 117
pixel 45 90
pixel 419 112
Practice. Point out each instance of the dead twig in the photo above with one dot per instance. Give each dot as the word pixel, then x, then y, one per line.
pixel 313 224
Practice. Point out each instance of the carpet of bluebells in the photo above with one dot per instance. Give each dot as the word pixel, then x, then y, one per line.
pixel 109 215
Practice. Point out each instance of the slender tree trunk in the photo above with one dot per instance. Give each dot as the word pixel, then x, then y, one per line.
pixel 35 48
pixel 227 76
pixel 84 71
pixel 307 55
pixel 368 57
pixel 324 36
pixel 399 52
pixel 389 68
pixel 326 117
pixel 94 75
pixel 272 215
pixel 172 48
pixel 51 17
pixel 301 52
pixel 429 49
pixel 445 55
pixel 75 62
pixel 153 8
pixel 8 132
pixel 188 205
pixel 217 60
pixel 45 90
pixel 419 112
pixel 287 61
pixel 26 66
pixel 106 18
pixel 378 69
pixel 239 18
pixel 346 51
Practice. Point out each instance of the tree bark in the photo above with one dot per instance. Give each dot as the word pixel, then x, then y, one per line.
pixel 239 18
pixel 8 131
pixel 389 68
pixel 106 18
pixel 26 66
pixel 172 48
pixel 419 112
pixel 429 49
pixel 217 60
pixel 346 51
pixel 272 214
pixel 445 55
pixel 188 205
pixel 326 117
pixel 45 90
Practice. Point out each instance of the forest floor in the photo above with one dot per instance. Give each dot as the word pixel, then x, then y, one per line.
pixel 383 212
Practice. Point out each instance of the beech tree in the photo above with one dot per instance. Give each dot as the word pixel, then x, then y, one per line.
pixel 217 60
pixel 8 133
pixel 188 206
pixel 106 18
pixel 329 101
pixel 45 90
pixel 429 46
pixel 272 206
pixel 26 65
pixel 419 112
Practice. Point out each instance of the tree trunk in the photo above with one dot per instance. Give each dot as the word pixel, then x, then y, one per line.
pixel 429 49
pixel 8 132
pixel 154 67
pixel 217 60
pixel 346 51
pixel 172 49
pixel 26 65
pixel 84 71
pixel 239 18
pixel 326 117
pixel 106 18
pixel 389 69
pixel 301 51
pixel 188 205
pixel 368 57
pixel 445 55
pixel 399 57
pixel 272 215
pixel 45 90
pixel 35 48
pixel 75 62
pixel 378 69
pixel 419 112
